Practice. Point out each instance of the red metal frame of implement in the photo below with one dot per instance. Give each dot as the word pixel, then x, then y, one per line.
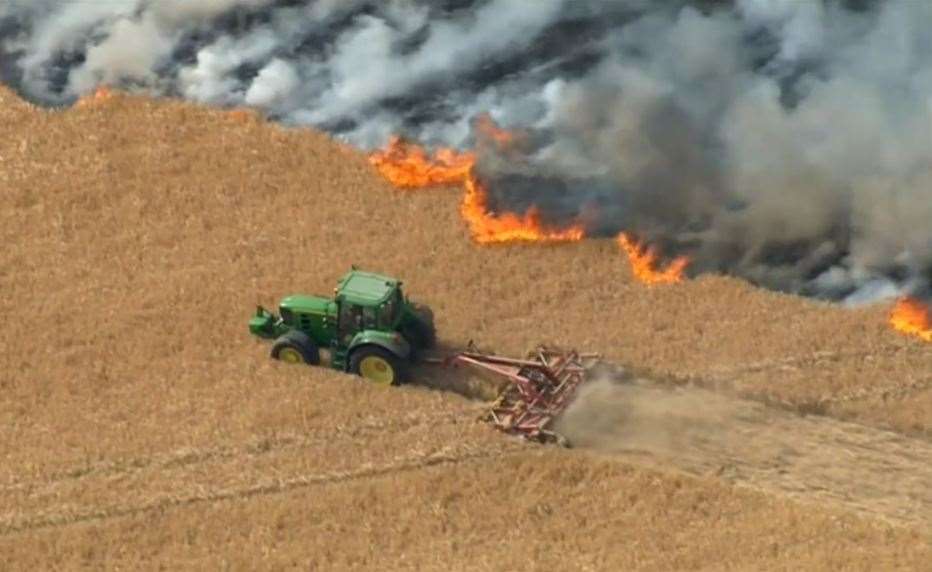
pixel 540 387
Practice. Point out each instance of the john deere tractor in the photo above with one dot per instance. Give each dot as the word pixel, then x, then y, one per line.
pixel 369 327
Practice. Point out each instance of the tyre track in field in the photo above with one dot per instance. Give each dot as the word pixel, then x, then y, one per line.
pixel 260 466
pixel 198 455
pixel 261 488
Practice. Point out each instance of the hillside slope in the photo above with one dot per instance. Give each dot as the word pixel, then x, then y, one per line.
pixel 142 423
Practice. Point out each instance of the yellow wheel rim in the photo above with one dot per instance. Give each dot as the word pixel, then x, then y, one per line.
pixel 377 370
pixel 290 355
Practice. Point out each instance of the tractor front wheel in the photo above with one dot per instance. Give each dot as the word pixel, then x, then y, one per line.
pixel 296 347
pixel 377 365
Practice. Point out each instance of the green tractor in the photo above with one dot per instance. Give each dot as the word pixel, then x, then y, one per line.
pixel 370 328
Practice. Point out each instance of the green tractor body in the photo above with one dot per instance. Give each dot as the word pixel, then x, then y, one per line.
pixel 369 327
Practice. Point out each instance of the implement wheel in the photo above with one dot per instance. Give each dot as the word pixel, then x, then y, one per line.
pixel 379 366
pixel 296 347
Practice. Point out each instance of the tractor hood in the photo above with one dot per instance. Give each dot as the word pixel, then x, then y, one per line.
pixel 306 304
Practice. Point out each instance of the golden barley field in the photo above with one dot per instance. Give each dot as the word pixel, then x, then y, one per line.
pixel 143 428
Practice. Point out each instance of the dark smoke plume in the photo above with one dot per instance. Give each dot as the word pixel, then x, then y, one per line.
pixel 785 141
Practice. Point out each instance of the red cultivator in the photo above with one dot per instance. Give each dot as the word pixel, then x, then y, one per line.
pixel 539 389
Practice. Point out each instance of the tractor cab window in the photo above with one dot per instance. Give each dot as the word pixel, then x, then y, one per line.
pixel 387 313
pixel 351 320
pixel 287 315
pixel 369 320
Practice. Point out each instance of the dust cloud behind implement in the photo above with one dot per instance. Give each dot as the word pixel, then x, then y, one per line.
pixel 702 432
pixel 786 142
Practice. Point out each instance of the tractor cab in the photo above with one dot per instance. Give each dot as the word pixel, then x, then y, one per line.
pixel 367 301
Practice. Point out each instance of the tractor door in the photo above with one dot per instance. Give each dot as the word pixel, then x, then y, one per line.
pixel 350 323
pixel 354 319
pixel 370 318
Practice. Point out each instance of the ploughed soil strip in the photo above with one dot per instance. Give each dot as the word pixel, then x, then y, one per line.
pixel 811 458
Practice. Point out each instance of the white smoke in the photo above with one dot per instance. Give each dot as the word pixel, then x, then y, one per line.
pixel 211 79
pixel 785 141
pixel 273 85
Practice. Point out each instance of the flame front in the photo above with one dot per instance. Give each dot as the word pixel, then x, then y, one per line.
pixel 912 317
pixel 644 262
pixel 508 227
pixel 409 166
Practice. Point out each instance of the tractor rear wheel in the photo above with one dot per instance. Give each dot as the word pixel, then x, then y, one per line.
pixel 377 365
pixel 296 347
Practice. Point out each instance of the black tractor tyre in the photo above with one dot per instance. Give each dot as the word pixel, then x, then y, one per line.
pixel 421 332
pixel 423 311
pixel 370 362
pixel 296 343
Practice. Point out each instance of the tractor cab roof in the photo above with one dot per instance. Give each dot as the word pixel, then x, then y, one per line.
pixel 366 288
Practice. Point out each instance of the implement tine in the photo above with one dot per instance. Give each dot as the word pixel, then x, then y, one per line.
pixel 539 389
pixel 563 365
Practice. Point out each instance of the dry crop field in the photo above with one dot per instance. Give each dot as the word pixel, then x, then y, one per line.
pixel 144 428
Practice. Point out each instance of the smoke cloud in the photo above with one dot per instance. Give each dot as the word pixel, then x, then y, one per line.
pixel 786 142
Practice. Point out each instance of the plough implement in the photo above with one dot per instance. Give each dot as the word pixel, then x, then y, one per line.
pixel 538 388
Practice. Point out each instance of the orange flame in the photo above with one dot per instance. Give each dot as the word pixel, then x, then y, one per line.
pixel 488 132
pixel 912 317
pixel 644 263
pixel 508 227
pixel 409 166
pixel 100 95
pixel 242 115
